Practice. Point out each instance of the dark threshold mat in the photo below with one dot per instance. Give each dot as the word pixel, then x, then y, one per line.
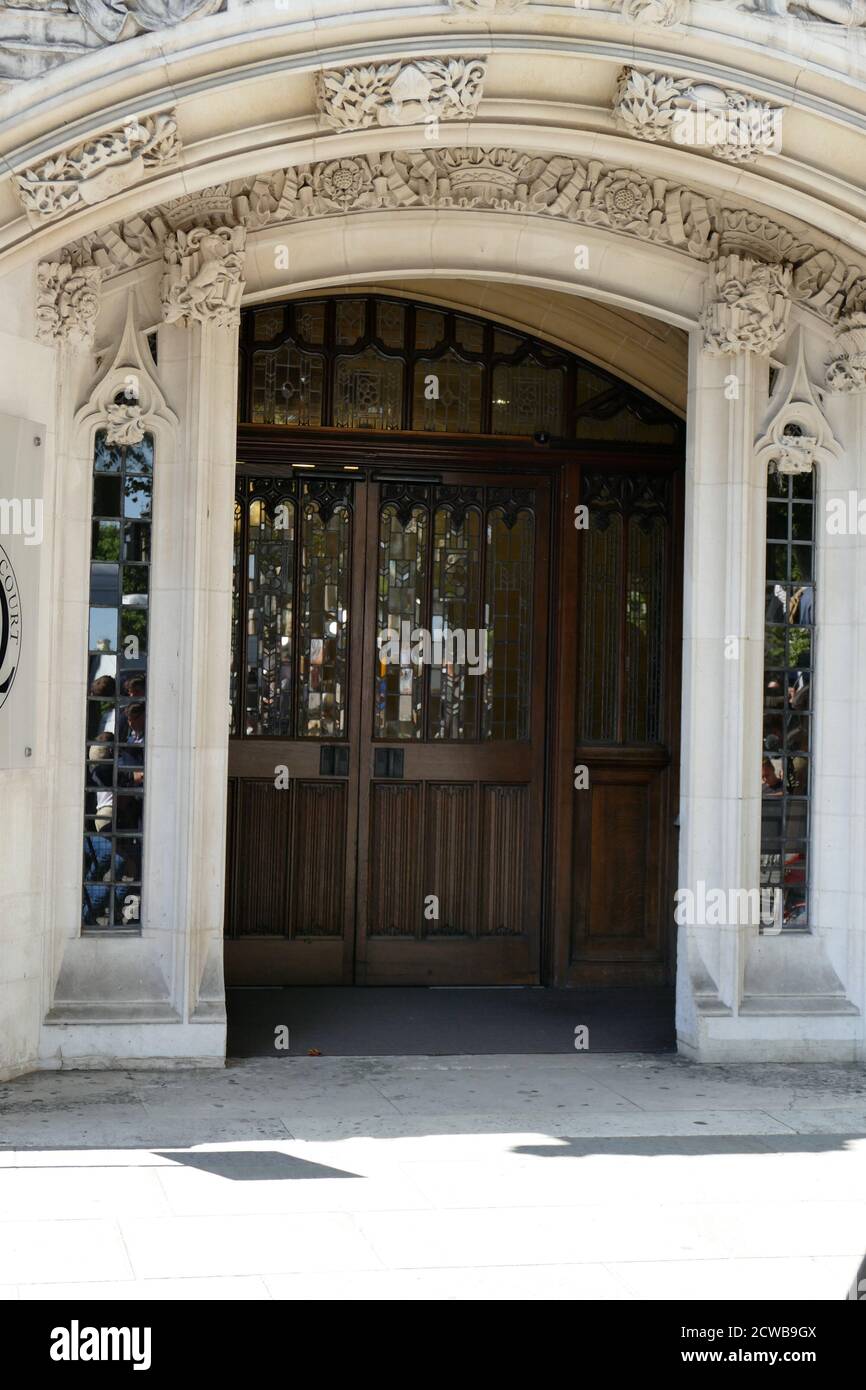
pixel 397 1022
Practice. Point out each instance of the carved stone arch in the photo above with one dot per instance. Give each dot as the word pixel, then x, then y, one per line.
pixel 796 433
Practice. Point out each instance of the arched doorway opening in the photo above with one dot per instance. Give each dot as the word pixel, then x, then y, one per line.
pixel 453 752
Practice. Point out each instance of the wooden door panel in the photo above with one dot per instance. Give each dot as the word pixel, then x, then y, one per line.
pixel 318 868
pixel 393 863
pixel 505 866
pixel 450 859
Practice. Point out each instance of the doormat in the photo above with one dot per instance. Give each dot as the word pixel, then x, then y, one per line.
pixel 400 1022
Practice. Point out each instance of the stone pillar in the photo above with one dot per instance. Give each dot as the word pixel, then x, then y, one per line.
pixel 744 317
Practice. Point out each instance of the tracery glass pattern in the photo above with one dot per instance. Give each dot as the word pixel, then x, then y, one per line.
pixel 237 657
pixel 455 678
pixel 402 583
pixel 508 619
pixel 447 395
pixel 117 685
pixel 601 590
pixel 363 362
pixel 789 658
pixel 622 608
pixel 287 387
pixel 323 618
pixel 368 392
pixel 645 606
pixel 268 618
pixel 528 398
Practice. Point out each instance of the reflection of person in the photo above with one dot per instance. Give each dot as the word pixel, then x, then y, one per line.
pixel 103 688
pixel 101 756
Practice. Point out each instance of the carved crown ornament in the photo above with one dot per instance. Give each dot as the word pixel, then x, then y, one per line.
pixel 405 92
pixel 92 171
pixel 699 115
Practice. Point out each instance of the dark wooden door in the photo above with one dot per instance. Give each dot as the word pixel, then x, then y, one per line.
pixel 386 769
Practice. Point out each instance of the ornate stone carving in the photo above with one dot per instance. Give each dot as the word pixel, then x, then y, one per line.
pixel 203 280
pixel 731 125
pixel 663 12
pixel 846 370
pixel 125 423
pixel 796 433
pixel 747 306
pixel 499 179
pixel 90 172
pixel 401 93
pixel 67 302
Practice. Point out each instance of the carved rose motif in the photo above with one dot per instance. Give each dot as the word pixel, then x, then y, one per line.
pixel 626 197
pixel 401 93
pixel 747 306
pixel 343 181
pixel 203 280
pixel 67 302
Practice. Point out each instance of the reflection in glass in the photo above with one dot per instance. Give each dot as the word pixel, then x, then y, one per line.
pixel 601 600
pixel 268 619
pixel 399 694
pixel 117 686
pixel 323 619
pixel 789 634
pixel 528 398
pixel 454 627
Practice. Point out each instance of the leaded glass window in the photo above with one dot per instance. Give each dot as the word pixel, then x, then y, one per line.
pixel 116 722
pixel 623 604
pixel 788 695
pixel 291 608
pixel 454 613
pixel 373 362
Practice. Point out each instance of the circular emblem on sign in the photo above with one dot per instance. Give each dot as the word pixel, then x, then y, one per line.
pixel 10 625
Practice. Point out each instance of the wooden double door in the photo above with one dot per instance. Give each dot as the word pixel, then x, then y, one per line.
pixel 389 706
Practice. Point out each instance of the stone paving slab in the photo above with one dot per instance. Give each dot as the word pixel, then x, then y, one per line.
pixel 622 1177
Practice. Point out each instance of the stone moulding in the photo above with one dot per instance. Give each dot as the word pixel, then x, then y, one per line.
pixel 405 92
pixel 92 171
pixel 678 110
pixel 67 303
pixel 498 179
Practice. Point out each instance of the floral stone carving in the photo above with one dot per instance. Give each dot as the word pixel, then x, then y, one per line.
pixel 731 125
pixel 67 302
pixel 402 93
pixel 204 276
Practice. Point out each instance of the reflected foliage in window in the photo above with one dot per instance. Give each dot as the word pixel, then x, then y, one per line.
pixel 118 635
pixel 788 713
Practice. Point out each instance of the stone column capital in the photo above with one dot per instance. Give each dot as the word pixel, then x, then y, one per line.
pixel 846 370
pixel 203 279
pixel 746 306
pixel 67 303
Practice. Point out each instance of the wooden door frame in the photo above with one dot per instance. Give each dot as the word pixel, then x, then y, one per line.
pixel 275 449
